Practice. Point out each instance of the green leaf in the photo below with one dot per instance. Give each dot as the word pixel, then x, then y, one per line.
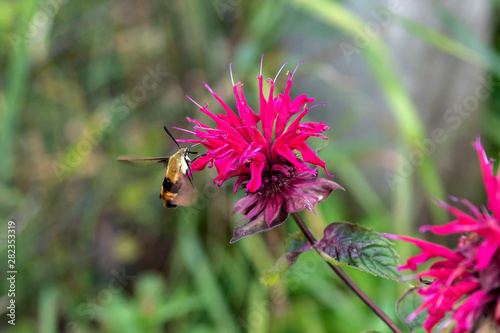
pixel 406 305
pixel 47 305
pixel 295 245
pixel 441 41
pixel 272 276
pixel 349 244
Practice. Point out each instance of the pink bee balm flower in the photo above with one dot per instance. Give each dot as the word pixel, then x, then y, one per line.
pixel 466 283
pixel 259 150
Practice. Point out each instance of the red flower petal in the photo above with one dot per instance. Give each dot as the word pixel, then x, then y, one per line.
pixel 277 182
pixel 491 182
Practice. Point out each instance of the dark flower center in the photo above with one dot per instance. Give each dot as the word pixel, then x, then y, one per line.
pixel 276 176
pixel 489 277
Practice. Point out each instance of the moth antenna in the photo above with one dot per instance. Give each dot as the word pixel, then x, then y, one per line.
pixel 166 130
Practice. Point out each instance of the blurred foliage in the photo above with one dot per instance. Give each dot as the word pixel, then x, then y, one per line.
pixel 96 251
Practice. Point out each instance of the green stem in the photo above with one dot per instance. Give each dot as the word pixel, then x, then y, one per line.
pixel 346 279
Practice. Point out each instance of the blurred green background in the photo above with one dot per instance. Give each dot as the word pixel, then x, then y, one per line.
pixel 407 88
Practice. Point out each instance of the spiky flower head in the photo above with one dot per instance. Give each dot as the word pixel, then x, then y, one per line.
pixel 466 282
pixel 259 150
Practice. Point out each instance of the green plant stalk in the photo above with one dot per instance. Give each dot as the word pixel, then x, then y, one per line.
pixel 346 279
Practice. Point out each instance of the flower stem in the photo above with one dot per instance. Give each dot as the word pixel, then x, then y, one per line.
pixel 346 279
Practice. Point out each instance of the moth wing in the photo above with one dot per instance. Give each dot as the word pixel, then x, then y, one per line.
pixel 186 194
pixel 140 160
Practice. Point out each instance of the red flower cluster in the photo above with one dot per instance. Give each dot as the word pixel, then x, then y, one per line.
pixel 466 283
pixel 277 182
